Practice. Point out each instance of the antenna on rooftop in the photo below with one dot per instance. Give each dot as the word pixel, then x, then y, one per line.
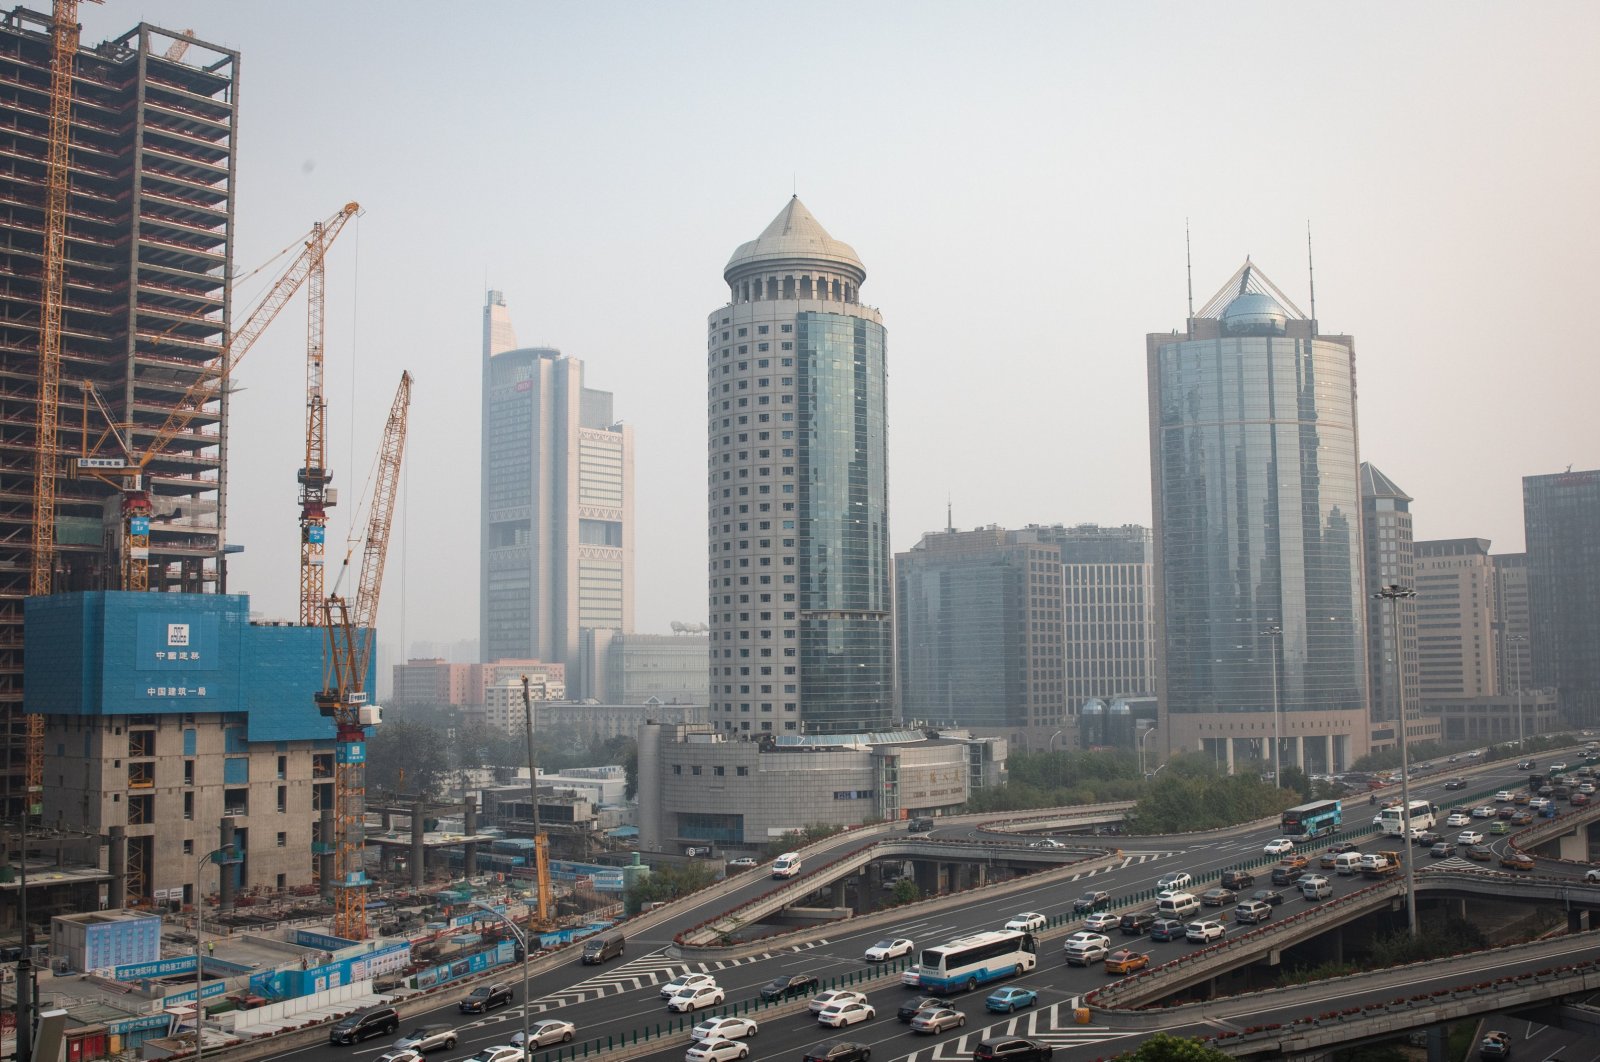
pixel 949 515
pixel 1311 273
pixel 1188 270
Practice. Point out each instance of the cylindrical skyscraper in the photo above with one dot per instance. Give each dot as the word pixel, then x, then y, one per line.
pixel 797 492
pixel 1257 502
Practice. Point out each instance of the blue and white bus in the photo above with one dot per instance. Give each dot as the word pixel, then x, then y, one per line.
pixel 971 961
pixel 1320 818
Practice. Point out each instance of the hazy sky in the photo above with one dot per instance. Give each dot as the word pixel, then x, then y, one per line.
pixel 1015 177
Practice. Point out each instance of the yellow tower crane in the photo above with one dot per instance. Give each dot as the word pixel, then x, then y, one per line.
pixel 344 695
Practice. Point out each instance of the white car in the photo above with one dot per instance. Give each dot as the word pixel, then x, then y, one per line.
pixel 1102 920
pixel 823 1000
pixel 1484 812
pixel 1557 767
pixel 1178 881
pixel 498 1053
pixel 1503 797
pixel 1457 819
pixel 1592 876
pixel 688 980
pixel 1027 922
pixel 742 863
pixel 545 1033
pixel 838 1015
pixel 1203 932
pixel 405 1054
pixel 1470 837
pixel 716 1051
pixel 1084 939
pixel 724 1029
pixel 1046 842
pixel 1279 846
pixel 696 999
pixel 890 948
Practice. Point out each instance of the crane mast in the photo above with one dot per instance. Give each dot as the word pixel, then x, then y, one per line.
pixel 344 697
pixel 315 495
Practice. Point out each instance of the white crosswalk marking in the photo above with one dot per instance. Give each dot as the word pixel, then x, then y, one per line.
pixel 643 972
pixel 1132 858
pixel 1051 1025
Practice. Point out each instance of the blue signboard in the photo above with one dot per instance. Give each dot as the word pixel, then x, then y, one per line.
pixel 138 971
pixel 316 534
pixel 350 752
pixel 139 525
pixel 325 941
pixel 215 988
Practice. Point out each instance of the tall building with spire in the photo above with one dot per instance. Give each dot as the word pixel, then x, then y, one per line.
pixel 556 538
pixel 1257 503
pixel 798 576
pixel 1390 557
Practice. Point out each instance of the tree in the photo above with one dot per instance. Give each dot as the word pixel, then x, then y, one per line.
pixel 906 891
pixel 1294 778
pixel 1164 1047
pixel 407 758
pixel 665 883
pixel 1194 794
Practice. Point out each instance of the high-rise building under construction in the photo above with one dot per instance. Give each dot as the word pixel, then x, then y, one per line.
pixel 148 254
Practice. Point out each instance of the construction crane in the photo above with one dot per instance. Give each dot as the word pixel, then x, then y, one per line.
pixel 126 471
pixel 541 842
pixel 343 696
pixel 315 495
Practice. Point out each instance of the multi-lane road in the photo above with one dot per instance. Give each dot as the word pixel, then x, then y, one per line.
pixel 622 997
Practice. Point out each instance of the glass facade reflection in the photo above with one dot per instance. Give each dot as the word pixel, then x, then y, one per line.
pixel 1258 519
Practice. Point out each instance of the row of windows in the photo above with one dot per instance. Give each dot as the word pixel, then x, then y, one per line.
pixel 716 771
pixel 760 329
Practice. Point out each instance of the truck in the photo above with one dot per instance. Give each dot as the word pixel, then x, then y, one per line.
pixel 1536 782
pixel 1380 865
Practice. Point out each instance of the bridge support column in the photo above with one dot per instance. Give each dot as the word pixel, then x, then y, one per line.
pixel 926 874
pixel 1575 846
pixel 1298 744
pixel 1577 921
pixel 838 893
pixel 1438 1043
pixel 1227 746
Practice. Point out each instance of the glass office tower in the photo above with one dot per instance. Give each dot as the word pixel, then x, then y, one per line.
pixel 797 490
pixel 1257 527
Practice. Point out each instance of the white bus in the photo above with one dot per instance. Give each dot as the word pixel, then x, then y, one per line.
pixel 1421 818
pixel 971 961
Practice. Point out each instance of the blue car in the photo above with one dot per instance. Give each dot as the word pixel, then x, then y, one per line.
pixel 1007 1000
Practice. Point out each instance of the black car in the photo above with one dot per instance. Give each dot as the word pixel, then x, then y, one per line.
pixel 1287 875
pixel 1011 1049
pixel 792 985
pixel 1272 896
pixel 1456 783
pixel 1426 838
pixel 485 998
pixel 838 1051
pixel 1237 879
pixel 1137 923
pixel 357 1027
pixel 909 1008
pixel 1091 901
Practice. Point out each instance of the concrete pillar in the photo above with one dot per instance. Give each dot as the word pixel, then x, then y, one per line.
pixel 926 874
pixel 117 861
pixel 388 821
pixel 1577 920
pixel 838 893
pixel 419 852
pixel 469 826
pixel 225 871
pixel 1227 748
pixel 1438 1043
pixel 1299 746
pixel 325 858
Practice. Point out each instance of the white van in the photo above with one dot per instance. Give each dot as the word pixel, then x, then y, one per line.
pixel 1316 887
pixel 786 865
pixel 1179 905
pixel 1347 863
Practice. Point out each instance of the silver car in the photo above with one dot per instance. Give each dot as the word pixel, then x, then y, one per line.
pixel 425 1038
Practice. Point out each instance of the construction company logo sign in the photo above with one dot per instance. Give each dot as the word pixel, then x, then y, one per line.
pixel 177 636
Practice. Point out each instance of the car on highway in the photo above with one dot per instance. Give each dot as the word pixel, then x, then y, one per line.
pixel 698 998
pixel 363 1024
pixel 1126 961
pixel 1558 766
pixel 406 1055
pixel 1457 819
pixel 1091 901
pixel 716 1051
pixel 1315 887
pixel 1085 948
pixel 1011 1049
pixel 890 948
pixel 851 1012
pixel 911 976
pixel 1521 818
pixel 1499 826
pixel 547 1032
pixel 1483 811
pixel 742 863
pixel 1204 932
pixel 1251 912
pixel 686 980
pixel 1268 896
pixel 1278 846
pixel 1046 842
pixel 909 1008
pixel 1525 765
pixel 1442 850
pixel 1137 923
pixel 1027 921
pixel 1505 796
pixel 485 998
pixel 1218 897
pixel 1177 880
pixel 1330 859
pixel 1237 879
pixel 1456 783
pixel 937 1020
pixel 1470 837
pixel 724 1029
pixel 1294 862
pixel 1006 1000
pixel 823 1000
pixel 1592 876
pixel 1102 921
pixel 1516 861
pixel 425 1038
pixel 1580 799
pixel 837 1051
pixel 1495 1044
pixel 1506 812
pixel 1286 875
pixel 497 1053
pixel 1482 853
pixel 1165 929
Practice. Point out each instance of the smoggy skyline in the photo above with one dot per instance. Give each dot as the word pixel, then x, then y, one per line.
pixel 1016 179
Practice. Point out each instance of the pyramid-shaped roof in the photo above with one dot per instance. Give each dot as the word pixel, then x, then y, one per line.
pixel 795 236
pixel 1248 279
pixel 1374 484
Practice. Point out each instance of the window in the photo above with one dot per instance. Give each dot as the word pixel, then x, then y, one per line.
pixel 283 840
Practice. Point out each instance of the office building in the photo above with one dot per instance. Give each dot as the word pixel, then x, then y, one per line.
pixel 1257 504
pixel 1389 556
pixel 1513 627
pixel 148 249
pixel 1455 620
pixel 635 668
pixel 557 535
pixel 797 491
pixel 1561 515
pixel 1107 612
pixel 979 632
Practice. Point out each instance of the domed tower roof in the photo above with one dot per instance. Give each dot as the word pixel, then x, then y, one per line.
pixel 1251 305
pixel 796 239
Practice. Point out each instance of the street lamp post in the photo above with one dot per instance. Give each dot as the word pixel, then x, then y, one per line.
pixel 1276 634
pixel 1143 737
pixel 522 939
pixel 199 957
pixel 1394 593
